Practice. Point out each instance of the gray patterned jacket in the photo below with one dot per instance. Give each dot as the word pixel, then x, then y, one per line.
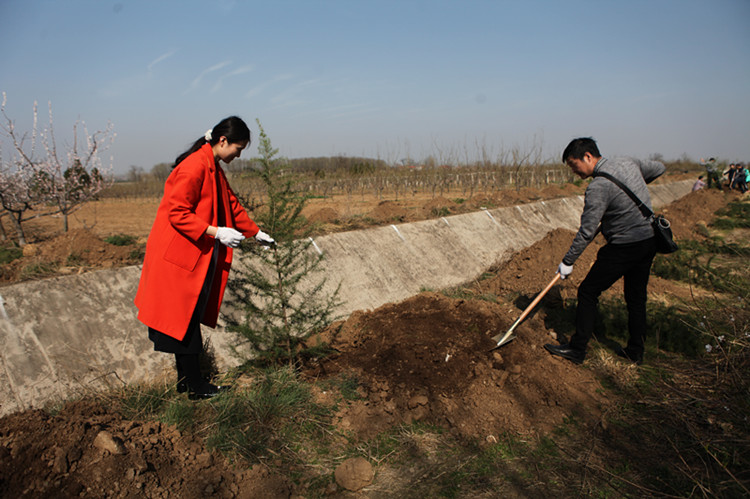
pixel 606 204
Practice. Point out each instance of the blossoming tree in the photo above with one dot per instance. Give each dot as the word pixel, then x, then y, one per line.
pixel 40 180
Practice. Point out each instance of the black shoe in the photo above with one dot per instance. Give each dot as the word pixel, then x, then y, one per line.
pixel 182 386
pixel 626 354
pixel 206 391
pixel 566 352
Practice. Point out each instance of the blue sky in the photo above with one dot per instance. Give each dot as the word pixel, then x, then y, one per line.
pixel 387 79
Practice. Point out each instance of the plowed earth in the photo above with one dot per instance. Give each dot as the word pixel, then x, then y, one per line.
pixel 428 358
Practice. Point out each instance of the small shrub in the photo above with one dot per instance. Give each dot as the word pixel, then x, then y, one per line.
pixel 120 240
pixel 136 255
pixel 8 254
pixel 277 313
pixel 75 259
pixel 37 270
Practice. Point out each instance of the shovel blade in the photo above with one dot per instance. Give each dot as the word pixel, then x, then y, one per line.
pixel 502 340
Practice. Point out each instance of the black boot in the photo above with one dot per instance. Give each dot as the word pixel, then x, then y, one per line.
pixel 188 369
pixel 181 376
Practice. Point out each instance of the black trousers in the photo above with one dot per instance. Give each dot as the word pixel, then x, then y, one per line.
pixel 631 261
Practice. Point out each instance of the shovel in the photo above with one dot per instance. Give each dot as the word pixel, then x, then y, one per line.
pixel 502 339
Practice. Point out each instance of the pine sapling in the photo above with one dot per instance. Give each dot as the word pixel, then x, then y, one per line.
pixel 279 293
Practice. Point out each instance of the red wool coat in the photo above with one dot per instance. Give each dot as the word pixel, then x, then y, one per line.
pixel 178 250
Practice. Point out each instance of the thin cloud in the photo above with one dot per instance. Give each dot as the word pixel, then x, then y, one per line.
pixel 236 72
pixel 197 81
pixel 288 96
pixel 257 89
pixel 160 59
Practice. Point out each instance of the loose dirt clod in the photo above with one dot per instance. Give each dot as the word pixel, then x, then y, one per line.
pixel 354 474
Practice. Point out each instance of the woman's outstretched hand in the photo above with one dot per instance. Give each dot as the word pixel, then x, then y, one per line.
pixel 229 237
pixel 264 238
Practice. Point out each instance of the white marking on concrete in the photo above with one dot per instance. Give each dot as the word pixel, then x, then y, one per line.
pixel 3 313
pixel 446 221
pixel 397 232
pixel 491 217
pixel 12 385
pixel 315 246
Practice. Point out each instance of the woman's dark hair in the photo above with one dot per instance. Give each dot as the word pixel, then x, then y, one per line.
pixel 233 128
pixel 578 147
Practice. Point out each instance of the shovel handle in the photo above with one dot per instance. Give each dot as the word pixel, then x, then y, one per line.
pixel 502 339
pixel 538 298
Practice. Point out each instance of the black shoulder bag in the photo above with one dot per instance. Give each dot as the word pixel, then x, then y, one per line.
pixel 662 230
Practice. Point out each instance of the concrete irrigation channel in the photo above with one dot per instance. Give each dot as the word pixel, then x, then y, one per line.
pixel 71 335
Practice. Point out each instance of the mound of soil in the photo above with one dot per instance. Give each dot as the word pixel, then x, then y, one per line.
pixel 84 246
pixel 324 215
pixel 438 205
pixel 688 213
pixel 389 212
pixel 430 358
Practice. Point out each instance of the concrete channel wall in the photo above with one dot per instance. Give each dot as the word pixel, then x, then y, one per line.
pixel 67 336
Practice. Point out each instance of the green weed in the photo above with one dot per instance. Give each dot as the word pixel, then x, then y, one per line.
pixel 136 255
pixel 348 387
pixel 37 270
pixel 274 414
pixel 120 240
pixel 459 293
pixel 179 412
pixel 9 253
pixel 735 215
pixel 75 259
pixel 138 401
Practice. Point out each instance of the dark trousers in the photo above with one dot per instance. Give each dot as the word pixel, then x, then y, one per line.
pixel 631 261
pixel 713 177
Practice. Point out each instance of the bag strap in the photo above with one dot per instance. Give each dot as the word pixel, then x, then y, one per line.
pixel 640 204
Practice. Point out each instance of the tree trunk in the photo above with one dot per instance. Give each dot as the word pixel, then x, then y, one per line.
pixel 19 229
pixel 3 234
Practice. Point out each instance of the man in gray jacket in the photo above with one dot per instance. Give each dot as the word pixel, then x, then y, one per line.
pixel 630 247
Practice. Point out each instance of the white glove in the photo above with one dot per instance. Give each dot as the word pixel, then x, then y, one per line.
pixel 564 270
pixel 264 238
pixel 229 237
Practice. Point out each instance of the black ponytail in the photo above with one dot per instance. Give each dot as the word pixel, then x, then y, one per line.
pixel 233 128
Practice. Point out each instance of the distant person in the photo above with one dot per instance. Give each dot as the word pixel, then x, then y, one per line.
pixel 630 247
pixel 712 172
pixel 189 251
pixel 729 176
pixel 740 178
pixel 699 184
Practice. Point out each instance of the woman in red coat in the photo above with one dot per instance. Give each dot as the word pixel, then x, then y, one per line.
pixel 189 251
